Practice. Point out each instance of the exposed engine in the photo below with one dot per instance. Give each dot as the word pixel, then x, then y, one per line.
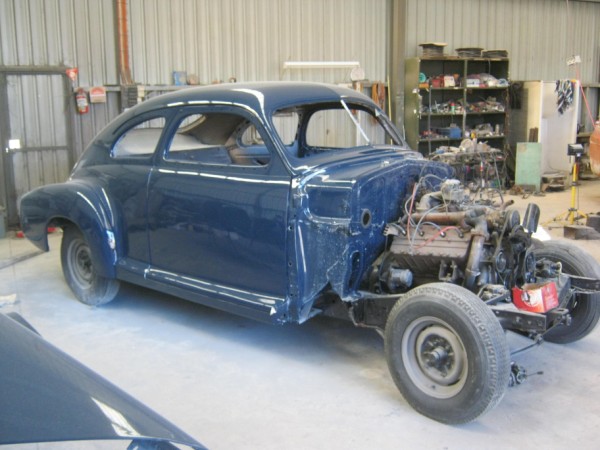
pixel 454 236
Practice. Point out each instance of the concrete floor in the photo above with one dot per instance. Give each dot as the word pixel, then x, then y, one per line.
pixel 234 383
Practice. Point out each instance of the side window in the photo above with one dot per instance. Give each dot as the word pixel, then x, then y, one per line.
pixel 140 140
pixel 218 138
pixel 251 136
pixel 286 124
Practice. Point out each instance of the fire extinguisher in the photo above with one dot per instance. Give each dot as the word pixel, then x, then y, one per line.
pixel 83 107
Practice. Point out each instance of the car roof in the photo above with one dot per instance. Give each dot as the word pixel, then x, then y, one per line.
pixel 264 97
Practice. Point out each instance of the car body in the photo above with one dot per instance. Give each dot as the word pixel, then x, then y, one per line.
pixel 47 396
pixel 280 201
pixel 270 237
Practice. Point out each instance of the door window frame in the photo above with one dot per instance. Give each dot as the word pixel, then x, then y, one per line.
pixel 181 113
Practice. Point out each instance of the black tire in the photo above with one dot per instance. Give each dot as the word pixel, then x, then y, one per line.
pixel 76 258
pixel 584 308
pixel 447 353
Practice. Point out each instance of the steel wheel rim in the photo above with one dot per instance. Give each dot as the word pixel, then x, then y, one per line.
pixel 434 357
pixel 81 264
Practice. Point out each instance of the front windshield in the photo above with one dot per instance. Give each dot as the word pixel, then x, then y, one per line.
pixel 319 130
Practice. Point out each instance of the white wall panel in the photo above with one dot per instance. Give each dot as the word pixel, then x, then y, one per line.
pixel 536 33
pixel 250 39
pixel 77 33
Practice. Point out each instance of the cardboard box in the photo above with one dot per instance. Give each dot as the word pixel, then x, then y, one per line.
pixel 97 94
pixel 449 81
pixel 536 297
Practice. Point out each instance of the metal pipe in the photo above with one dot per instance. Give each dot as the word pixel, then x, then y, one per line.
pixel 480 234
pixel 123 40
pixel 451 218
pixel 473 264
pixel 441 218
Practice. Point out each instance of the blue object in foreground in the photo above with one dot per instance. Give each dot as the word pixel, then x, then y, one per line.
pixel 47 396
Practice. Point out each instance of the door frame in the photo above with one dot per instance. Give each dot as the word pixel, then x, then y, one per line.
pixel 7 188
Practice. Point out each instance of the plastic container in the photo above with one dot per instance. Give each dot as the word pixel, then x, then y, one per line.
pixel 453 132
pixel 179 78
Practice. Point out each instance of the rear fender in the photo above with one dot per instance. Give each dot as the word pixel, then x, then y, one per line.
pixel 74 203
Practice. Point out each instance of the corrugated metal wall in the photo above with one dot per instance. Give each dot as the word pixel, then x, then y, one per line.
pixel 76 33
pixel 71 33
pixel 216 40
pixel 250 39
pixel 535 33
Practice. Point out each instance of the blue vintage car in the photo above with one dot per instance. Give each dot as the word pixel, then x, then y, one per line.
pixel 282 201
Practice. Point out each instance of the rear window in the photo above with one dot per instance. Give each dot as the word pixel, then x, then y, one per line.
pixel 141 140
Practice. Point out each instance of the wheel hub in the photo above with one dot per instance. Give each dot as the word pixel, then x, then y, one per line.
pixel 438 357
pixel 84 263
pixel 82 269
pixel 439 361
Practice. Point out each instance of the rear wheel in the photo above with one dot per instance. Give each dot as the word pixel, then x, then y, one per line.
pixel 447 353
pixel 584 308
pixel 85 282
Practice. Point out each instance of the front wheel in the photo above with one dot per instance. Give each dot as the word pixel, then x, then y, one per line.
pixel 76 257
pixel 447 353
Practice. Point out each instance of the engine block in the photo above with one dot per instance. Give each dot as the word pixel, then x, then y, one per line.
pixel 452 238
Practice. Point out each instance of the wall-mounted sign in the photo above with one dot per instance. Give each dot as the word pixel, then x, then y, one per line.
pixel 97 94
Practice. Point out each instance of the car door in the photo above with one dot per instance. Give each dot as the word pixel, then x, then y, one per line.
pixel 125 178
pixel 217 209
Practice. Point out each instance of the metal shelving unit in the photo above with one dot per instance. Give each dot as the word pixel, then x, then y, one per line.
pixel 420 98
